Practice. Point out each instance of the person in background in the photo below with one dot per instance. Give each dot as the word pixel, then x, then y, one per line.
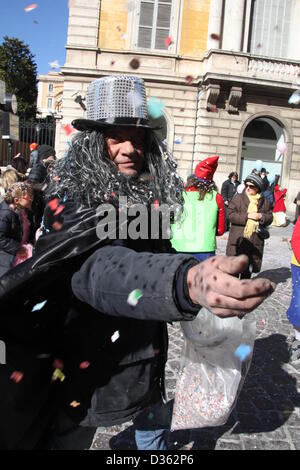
pixel 246 211
pixel 8 178
pixel 17 199
pixel 293 312
pixel 33 158
pixel 20 165
pixel 297 211
pixel 46 155
pixel 203 214
pixel 228 190
pixel 263 175
pixel 279 209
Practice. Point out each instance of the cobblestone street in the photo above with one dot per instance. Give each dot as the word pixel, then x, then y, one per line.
pixel 267 413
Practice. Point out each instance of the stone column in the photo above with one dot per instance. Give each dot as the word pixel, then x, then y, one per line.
pixel 214 24
pixel 233 25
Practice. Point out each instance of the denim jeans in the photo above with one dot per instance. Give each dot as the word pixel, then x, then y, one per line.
pixel 151 426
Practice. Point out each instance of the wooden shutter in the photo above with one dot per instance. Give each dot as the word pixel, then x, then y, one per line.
pixel 154 24
pixel 271 20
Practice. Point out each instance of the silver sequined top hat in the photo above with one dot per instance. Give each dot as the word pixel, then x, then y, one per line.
pixel 117 100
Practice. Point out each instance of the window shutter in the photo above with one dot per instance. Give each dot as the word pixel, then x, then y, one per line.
pixel 271 21
pixel 162 25
pixel 146 24
pixel 154 24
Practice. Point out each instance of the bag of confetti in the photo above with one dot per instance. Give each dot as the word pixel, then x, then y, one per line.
pixel 216 357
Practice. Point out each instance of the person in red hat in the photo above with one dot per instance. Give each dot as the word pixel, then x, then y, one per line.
pixel 33 154
pixel 203 216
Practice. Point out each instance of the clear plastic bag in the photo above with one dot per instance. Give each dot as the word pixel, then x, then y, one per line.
pixel 212 374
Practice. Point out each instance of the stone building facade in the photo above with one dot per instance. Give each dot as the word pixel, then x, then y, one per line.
pixel 224 69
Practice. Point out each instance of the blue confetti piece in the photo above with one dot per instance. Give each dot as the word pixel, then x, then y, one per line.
pixel 155 108
pixel 39 306
pixel 243 351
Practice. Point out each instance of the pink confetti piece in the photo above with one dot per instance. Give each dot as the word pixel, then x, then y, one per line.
pixel 31 7
pixel 58 364
pixel 156 205
pixel 189 79
pixel 84 365
pixel 17 376
pixel 168 41
pixel 59 210
pixel 57 226
pixel 53 204
pixel 215 37
pixel 68 128
pixel 263 322
pixel 134 64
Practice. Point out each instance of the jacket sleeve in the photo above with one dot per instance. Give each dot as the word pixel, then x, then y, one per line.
pixel 7 244
pixel 221 215
pixel 296 240
pixel 235 214
pixel 112 273
pixel 224 191
pixel 267 214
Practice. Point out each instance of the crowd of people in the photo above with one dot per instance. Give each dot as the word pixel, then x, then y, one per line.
pixel 84 316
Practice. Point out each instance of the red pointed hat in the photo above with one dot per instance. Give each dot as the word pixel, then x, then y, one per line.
pixel 205 170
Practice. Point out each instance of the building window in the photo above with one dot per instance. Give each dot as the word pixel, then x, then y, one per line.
pixel 269 27
pixel 49 103
pixel 155 18
pixel 50 88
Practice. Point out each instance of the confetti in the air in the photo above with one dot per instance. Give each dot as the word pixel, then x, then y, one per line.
pixel 189 79
pixel 263 322
pixel 59 210
pixel 84 365
pixel 156 204
pixel 115 336
pixel 295 97
pixel 17 376
pixel 58 375
pixel 112 62
pixel 57 226
pixel 134 297
pixel 35 22
pixel 168 41
pixel 31 7
pixel 134 64
pixel 212 108
pixel 68 128
pixel 53 204
pixel 74 404
pixel 215 37
pixel 39 306
pixel 155 108
pixel 178 140
pixel 243 351
pixel 54 64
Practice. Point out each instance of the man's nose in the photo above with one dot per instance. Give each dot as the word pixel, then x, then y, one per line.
pixel 127 147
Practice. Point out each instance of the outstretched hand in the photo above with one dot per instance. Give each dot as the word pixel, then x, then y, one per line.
pixel 213 284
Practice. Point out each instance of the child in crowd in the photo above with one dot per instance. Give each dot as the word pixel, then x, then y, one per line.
pixel 15 226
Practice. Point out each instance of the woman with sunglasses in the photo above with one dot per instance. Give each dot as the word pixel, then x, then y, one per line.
pixel 247 212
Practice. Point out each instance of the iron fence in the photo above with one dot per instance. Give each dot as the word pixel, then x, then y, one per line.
pixel 39 131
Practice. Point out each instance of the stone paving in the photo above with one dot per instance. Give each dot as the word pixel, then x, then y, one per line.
pixel 267 415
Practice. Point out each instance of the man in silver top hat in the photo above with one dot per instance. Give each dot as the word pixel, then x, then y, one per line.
pixel 116 293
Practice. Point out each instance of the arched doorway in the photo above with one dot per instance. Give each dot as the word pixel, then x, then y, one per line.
pixel 260 140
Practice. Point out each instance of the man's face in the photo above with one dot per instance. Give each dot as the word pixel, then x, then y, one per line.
pixel 125 147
